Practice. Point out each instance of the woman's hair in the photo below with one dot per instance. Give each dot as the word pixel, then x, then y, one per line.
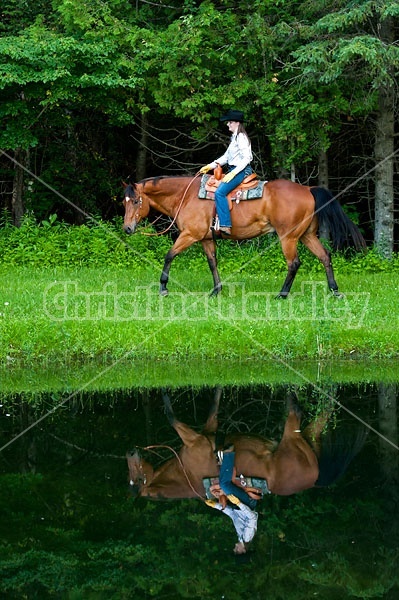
pixel 241 129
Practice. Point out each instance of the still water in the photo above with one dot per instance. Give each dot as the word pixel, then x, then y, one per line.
pixel 69 528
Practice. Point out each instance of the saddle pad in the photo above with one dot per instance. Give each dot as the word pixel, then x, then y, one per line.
pixel 251 194
pixel 250 482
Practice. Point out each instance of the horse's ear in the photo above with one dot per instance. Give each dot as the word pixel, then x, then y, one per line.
pixel 124 185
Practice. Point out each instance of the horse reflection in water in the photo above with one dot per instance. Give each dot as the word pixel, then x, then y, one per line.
pixel 300 461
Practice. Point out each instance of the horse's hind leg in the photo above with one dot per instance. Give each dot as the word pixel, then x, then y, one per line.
pixel 210 251
pixel 312 432
pixel 295 462
pixel 311 241
pixel 289 248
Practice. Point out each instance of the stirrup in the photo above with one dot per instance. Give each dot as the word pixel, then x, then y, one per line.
pixel 215 224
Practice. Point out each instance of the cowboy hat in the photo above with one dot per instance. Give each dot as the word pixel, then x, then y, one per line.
pixel 233 115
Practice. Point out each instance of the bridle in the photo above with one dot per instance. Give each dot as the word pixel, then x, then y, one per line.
pixel 154 446
pixel 140 200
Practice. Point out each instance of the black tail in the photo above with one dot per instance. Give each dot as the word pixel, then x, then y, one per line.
pixel 331 217
pixel 338 448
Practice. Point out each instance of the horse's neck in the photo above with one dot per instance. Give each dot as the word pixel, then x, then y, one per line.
pixel 166 195
pixel 172 481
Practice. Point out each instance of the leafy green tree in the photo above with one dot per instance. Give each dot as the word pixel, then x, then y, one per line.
pixel 353 49
pixel 79 80
pixel 51 81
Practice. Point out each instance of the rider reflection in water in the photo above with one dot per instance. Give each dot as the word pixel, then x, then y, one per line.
pixel 240 510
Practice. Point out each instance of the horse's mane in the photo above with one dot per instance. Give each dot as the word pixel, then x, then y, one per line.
pixel 129 190
pixel 154 180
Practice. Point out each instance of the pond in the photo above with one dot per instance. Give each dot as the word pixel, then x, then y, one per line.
pixel 70 528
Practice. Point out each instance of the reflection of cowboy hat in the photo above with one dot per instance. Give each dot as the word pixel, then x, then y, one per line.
pixel 233 115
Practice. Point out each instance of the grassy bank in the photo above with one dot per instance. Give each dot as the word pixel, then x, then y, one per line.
pixel 61 315
pixel 72 295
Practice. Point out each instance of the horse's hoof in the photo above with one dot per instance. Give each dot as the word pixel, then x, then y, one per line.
pixel 292 404
pixel 163 292
pixel 337 294
pixel 281 297
pixel 215 291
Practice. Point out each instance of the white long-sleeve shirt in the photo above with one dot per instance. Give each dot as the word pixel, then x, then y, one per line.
pixel 238 153
pixel 245 520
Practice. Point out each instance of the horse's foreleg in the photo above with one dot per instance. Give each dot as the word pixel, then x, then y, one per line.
pixel 289 248
pixel 168 408
pixel 165 273
pixel 210 251
pixel 211 424
pixel 311 241
pixel 185 240
pixel 293 422
pixel 187 435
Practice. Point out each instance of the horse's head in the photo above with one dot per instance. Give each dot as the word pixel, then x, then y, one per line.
pixel 140 472
pixel 135 208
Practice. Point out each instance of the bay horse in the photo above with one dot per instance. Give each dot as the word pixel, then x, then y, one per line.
pixel 296 463
pixel 293 211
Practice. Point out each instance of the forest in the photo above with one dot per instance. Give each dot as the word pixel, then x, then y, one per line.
pixel 93 93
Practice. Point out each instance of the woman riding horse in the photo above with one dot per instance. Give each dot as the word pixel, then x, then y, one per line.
pixel 293 211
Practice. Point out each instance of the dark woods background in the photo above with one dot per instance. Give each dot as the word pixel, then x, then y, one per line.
pixel 93 94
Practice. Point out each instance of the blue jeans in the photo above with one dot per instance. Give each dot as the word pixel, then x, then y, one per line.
pixel 222 205
pixel 225 481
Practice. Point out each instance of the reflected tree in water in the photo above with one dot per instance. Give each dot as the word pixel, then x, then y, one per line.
pixel 388 427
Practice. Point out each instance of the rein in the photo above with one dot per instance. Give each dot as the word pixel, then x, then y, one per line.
pixel 177 212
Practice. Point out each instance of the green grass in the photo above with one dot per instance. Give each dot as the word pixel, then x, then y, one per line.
pixel 79 314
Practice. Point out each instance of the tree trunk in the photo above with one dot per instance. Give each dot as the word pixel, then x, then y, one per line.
pixel 324 232
pixel 383 152
pixel 323 169
pixel 147 405
pixel 17 206
pixel 141 161
pixel 388 425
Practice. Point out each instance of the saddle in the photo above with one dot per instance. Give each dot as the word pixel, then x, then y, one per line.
pixel 256 488
pixel 249 189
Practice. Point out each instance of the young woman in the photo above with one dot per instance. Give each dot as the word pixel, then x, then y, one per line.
pixel 235 502
pixel 237 157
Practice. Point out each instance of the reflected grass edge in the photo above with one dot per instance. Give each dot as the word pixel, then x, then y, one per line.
pixel 128 374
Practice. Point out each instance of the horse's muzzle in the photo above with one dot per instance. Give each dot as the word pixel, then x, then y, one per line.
pixel 134 489
pixel 131 228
